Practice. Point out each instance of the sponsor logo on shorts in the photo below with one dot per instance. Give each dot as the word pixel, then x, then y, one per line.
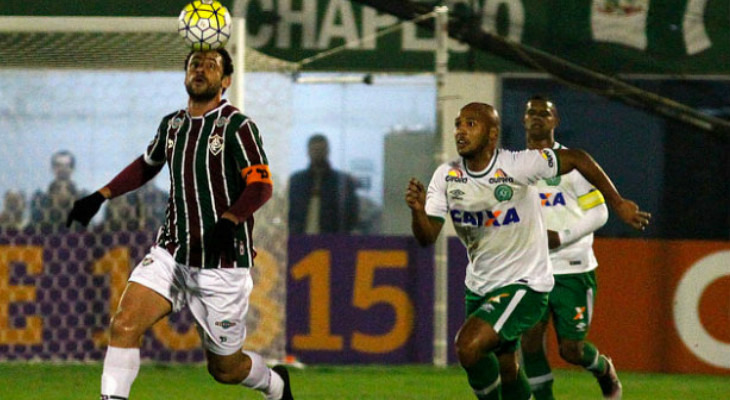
pixel 488 306
pixel 225 324
pixel 579 313
pixel 147 261
pixel 498 298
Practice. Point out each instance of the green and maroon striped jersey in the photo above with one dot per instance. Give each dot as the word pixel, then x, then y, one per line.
pixel 205 156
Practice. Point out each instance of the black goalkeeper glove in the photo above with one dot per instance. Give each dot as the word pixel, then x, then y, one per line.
pixel 85 208
pixel 220 241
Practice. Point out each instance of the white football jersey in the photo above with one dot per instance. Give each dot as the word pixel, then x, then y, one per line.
pixel 564 200
pixel 496 213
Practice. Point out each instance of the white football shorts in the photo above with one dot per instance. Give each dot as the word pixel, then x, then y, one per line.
pixel 217 298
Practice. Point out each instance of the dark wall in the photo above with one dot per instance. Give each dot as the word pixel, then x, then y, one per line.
pixel 678 173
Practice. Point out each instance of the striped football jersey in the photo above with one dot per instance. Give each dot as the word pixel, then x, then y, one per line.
pixel 205 156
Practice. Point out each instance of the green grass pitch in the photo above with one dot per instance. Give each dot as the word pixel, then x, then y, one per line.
pixel 33 381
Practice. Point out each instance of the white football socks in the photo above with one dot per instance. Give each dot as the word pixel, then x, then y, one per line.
pixel 263 379
pixel 120 369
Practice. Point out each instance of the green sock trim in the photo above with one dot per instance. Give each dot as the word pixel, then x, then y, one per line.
pixel 539 374
pixel 592 360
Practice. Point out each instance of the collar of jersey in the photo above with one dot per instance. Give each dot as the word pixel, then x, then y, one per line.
pixel 486 170
pixel 557 146
pixel 215 110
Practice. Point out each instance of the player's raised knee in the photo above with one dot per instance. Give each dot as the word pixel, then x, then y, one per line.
pixel 468 350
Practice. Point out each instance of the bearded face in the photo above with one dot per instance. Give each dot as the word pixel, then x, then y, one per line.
pixel 204 76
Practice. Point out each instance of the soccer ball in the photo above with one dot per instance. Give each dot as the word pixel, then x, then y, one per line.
pixel 205 25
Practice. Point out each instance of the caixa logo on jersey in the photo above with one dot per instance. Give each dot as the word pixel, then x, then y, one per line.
pixel 494 218
pixel 455 175
pixel 548 200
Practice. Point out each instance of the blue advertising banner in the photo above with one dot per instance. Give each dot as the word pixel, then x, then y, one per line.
pixel 355 299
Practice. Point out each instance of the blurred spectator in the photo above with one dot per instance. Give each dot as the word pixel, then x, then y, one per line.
pixel 142 209
pixel 321 199
pixel 13 213
pixel 50 208
pixel 152 205
pixel 121 214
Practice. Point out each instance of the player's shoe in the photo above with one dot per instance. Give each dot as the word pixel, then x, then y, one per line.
pixel 609 383
pixel 284 374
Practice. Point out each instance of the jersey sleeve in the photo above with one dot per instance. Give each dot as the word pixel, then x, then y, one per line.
pixel 246 145
pixel 155 154
pixel 534 165
pixel 436 203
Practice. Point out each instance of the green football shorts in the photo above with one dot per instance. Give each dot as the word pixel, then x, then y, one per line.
pixel 571 304
pixel 510 310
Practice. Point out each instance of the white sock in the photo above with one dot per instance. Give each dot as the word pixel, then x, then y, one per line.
pixel 120 369
pixel 263 379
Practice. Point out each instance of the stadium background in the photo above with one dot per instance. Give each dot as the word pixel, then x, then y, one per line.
pixel 663 302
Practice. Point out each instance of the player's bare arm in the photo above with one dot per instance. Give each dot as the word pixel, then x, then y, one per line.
pixel 425 229
pixel 626 209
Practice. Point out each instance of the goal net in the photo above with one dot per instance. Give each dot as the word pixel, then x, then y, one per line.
pixel 81 98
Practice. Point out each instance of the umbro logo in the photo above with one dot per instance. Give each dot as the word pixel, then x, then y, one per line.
pixel 225 324
pixel 457 194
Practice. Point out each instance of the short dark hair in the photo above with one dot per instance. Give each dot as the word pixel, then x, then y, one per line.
pixel 541 97
pixel 546 99
pixel 227 60
pixel 62 153
pixel 317 137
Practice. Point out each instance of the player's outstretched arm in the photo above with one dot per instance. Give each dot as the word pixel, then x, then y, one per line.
pixel 85 208
pixel 425 229
pixel 627 210
pixel 132 177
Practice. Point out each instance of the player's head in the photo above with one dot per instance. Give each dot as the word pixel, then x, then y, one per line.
pixel 476 129
pixel 208 73
pixel 541 118
pixel 63 163
pixel 318 149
